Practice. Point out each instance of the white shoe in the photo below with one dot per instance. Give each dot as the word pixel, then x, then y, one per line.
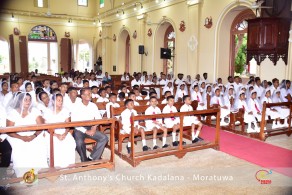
pixel 257 129
pixel 251 130
pixel 265 128
pixel 237 123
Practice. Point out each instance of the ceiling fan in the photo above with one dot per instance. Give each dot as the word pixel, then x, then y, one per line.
pixel 258 5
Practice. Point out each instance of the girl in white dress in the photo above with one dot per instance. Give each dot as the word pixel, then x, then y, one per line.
pixel 224 110
pixel 64 143
pixel 254 106
pixel 168 87
pixel 228 95
pixel 43 100
pixel 286 91
pixel 283 111
pixel 249 118
pixel 181 91
pixel 274 114
pixel 28 148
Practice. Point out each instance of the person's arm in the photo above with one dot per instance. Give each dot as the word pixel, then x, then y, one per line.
pixel 39 121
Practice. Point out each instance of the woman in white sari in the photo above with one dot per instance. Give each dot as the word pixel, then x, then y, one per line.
pixel 64 143
pixel 28 148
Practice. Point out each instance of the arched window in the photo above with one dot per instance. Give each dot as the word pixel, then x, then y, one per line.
pixel 169 42
pixel 4 56
pixel 43 50
pixel 82 56
pixel 238 34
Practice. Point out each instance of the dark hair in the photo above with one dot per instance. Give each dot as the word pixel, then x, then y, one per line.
pixel 185 97
pixel 56 95
pixel 257 79
pixel 12 83
pixel 121 95
pixel 94 87
pixel 63 83
pixel 38 84
pixel 3 83
pixel 71 89
pixel 38 90
pixel 27 84
pixel 170 97
pixel 131 93
pixel 40 94
pixel 152 93
pixel 83 90
pixel 52 82
pixel 111 95
pixel 166 92
pixel 128 101
pixel 56 90
pixel 100 90
pixel 152 97
pixel 85 81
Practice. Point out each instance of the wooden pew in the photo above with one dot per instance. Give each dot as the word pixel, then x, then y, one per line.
pixel 134 158
pixel 264 134
pixel 52 172
pixel 140 110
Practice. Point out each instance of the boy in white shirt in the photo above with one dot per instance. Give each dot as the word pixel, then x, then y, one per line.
pixel 155 124
pixel 172 122
pixel 94 92
pixel 166 94
pixel 102 96
pixel 191 120
pixel 132 96
pixel 113 103
pixel 126 122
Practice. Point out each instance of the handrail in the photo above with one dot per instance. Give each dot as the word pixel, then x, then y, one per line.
pixel 52 126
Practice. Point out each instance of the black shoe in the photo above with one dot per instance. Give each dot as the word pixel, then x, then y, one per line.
pixel 128 149
pixel 195 140
pixel 146 148
pixel 156 147
pixel 164 146
pixel 175 143
pixel 184 143
pixel 89 159
pixel 201 139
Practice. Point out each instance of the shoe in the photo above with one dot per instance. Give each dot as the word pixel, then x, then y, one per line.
pixel 165 146
pixel 237 123
pixel 183 143
pixel 156 147
pixel 146 148
pixel 175 143
pixel 128 149
pixel 89 159
pixel 265 128
pixel 195 140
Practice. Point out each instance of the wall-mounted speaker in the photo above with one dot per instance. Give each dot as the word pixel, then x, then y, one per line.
pixel 141 49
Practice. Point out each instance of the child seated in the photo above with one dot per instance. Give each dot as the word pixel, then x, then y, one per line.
pixel 121 97
pixel 108 90
pixel 155 124
pixel 172 122
pixel 137 94
pixel 196 95
pixel 191 120
pixel 126 125
pixel 113 103
pixel 249 118
pixel 132 96
pixel 94 93
pixel 151 94
pixel 224 111
pixel 102 96
pixel 166 94
pixel 124 89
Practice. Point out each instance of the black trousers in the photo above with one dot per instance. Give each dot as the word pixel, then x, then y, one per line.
pixel 5 150
pixel 99 137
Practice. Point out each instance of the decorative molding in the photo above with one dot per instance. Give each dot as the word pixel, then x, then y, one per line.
pixel 193 43
pixel 149 32
pixel 114 38
pixel 182 26
pixel 135 34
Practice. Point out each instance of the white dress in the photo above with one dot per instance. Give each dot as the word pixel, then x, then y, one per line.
pixel 269 112
pixel 248 118
pixel 27 155
pixel 64 150
pixel 170 122
pixel 198 97
pixel 218 100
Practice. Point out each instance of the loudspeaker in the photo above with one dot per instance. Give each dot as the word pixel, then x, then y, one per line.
pixel 141 49
pixel 165 53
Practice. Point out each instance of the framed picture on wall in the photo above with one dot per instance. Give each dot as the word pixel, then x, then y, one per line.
pixel 114 68
pixel 82 3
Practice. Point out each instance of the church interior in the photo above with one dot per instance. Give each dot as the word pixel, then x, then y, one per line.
pixel 242 39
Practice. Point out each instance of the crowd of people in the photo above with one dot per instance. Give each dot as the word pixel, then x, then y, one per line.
pixel 32 102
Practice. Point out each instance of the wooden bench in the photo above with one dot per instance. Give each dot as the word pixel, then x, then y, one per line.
pixel 134 158
pixel 52 172
pixel 140 110
pixel 264 134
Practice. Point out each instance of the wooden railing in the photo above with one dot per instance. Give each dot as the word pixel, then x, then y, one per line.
pixel 136 157
pixel 77 167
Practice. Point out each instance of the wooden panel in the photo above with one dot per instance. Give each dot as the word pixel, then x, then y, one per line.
pixel 283 34
pixel 66 54
pixel 268 38
pixel 23 54
pixel 253 38
pixel 12 53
